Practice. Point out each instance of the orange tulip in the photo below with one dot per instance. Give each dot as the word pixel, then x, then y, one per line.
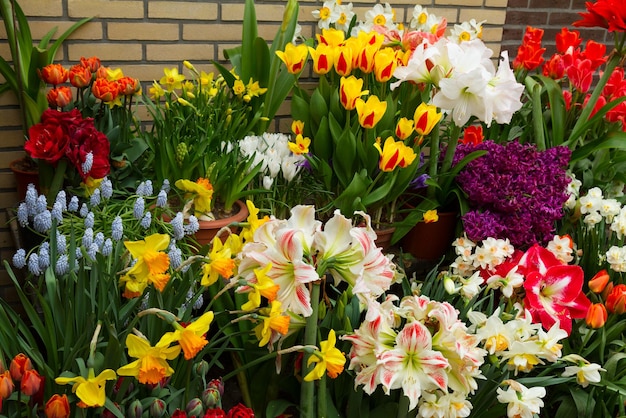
pixel 57 407
pixel 54 74
pixel 128 86
pixel 6 385
pixel 596 316
pixel 598 282
pixel 616 300
pixel 104 90
pixel 93 63
pixel 31 382
pixel 59 96
pixel 19 365
pixel 80 76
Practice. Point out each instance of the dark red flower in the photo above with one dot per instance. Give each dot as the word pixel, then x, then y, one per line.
pixel 215 413
pixel 179 414
pixel 240 411
pixel 86 139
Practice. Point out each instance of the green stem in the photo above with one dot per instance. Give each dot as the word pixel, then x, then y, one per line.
pixel 307 391
pixel 403 406
pixel 433 160
pixel 321 398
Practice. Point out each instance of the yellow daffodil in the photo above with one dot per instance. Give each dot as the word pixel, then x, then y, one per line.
pixel 426 118
pixel 151 365
pixel 253 222
pixel 156 91
pixel 113 75
pixel 370 112
pixel 431 216
pixel 202 192
pixel 329 359
pixel 220 264
pixel 239 88
pixel 150 267
pixel 254 90
pixel 191 338
pixel 205 79
pixel 89 390
pixel 264 286
pixel 90 185
pixel 350 89
pixel 404 128
pixel 385 63
pixel 274 321
pixel 301 146
pixel 172 80
pixel 323 58
pixel 294 57
pixel 394 154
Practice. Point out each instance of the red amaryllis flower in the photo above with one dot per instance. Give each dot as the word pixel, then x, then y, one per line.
pixel 80 76
pixel 608 14
pixel 553 289
pixel 54 74
pixel 59 96
pixel 240 411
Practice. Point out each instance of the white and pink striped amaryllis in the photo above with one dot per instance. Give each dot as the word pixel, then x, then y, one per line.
pixel 430 351
pixel 301 250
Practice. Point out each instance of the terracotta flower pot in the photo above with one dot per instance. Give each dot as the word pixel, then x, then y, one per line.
pixel 431 241
pixel 383 237
pixel 209 229
pixel 25 173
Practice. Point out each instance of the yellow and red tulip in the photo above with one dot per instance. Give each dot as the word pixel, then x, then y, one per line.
pixel 394 154
pixel 323 58
pixel 370 112
pixel 294 57
pixel 385 63
pixel 350 89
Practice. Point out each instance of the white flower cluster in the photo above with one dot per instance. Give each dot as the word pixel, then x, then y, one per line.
pixel 272 151
pixel 471 256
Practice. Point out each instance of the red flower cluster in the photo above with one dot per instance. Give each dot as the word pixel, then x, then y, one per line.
pixel 530 53
pixel 608 14
pixel 104 84
pixel 237 411
pixel 68 134
pixel 21 371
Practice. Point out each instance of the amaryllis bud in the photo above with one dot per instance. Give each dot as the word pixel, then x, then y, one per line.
pixel 194 407
pixel 19 365
pixel 599 281
pixel 596 316
pixel 157 408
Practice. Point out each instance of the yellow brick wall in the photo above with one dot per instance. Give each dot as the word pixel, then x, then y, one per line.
pixel 142 37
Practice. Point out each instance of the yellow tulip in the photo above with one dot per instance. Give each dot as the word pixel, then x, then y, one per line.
pixel 323 58
pixel 370 112
pixel 385 64
pixel 331 37
pixel 394 154
pixel 350 89
pixel 343 60
pixel 294 57
pixel 301 146
pixel 404 128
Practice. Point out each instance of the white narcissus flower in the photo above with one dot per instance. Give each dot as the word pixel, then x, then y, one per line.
pixel 616 257
pixel 522 402
pixel 381 16
pixel 585 373
pixel 508 283
pixel 561 247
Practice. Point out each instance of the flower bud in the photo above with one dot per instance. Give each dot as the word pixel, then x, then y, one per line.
pixel 194 407
pixel 135 409
pixel 201 368
pixel 157 408
pixel 211 398
pixel 599 281
pixel 616 300
pixel 217 384
pixel 6 385
pixel 31 382
pixel 596 316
